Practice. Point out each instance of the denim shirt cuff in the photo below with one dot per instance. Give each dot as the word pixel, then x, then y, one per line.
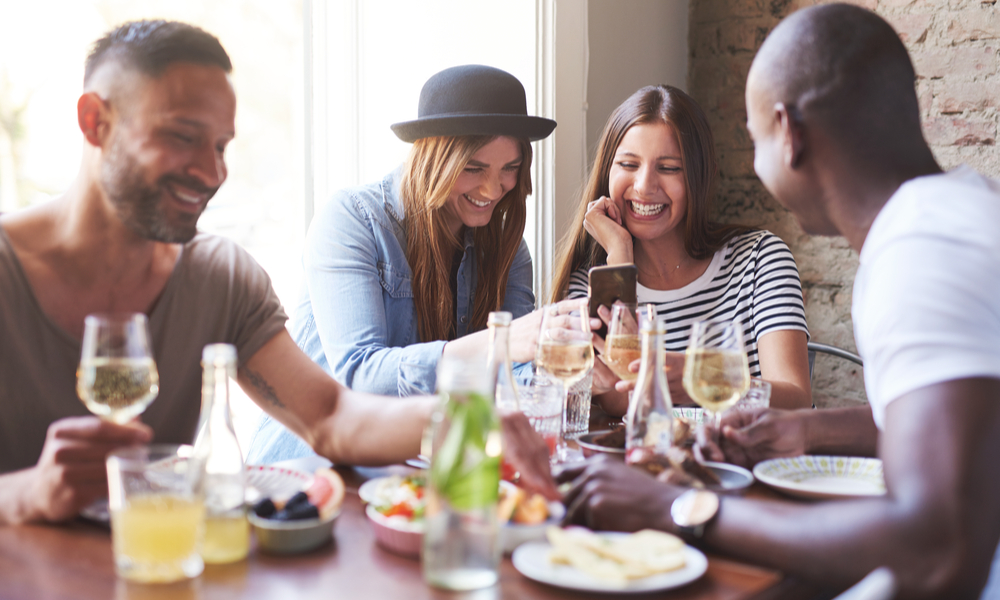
pixel 523 374
pixel 418 371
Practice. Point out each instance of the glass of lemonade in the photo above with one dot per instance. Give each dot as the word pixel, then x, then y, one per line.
pixel 117 377
pixel 157 514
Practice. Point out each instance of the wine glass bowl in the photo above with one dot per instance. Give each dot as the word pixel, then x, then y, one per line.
pixel 565 352
pixel 117 377
pixel 565 348
pixel 621 347
pixel 716 371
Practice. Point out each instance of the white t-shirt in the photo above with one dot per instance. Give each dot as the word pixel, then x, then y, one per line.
pixel 926 304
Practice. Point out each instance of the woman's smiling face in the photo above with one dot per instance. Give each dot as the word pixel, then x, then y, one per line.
pixel 647 181
pixel 489 175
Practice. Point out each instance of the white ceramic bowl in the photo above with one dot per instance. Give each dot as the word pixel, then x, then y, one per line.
pixel 396 535
pixel 291 537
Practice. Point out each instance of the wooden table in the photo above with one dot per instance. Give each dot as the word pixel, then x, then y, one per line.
pixel 74 562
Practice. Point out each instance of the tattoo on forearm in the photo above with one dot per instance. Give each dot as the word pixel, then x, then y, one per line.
pixel 265 389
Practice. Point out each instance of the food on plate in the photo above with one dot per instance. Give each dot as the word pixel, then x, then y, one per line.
pixel 320 499
pixel 401 497
pixel 518 507
pixel 678 466
pixel 612 439
pixel 616 559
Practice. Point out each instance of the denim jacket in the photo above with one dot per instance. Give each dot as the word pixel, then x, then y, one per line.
pixel 357 318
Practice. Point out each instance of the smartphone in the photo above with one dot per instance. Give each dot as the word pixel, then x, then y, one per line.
pixel 608 284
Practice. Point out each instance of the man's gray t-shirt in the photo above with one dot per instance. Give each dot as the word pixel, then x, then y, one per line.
pixel 217 293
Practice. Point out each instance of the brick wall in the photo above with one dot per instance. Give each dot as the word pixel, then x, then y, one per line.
pixel 955 47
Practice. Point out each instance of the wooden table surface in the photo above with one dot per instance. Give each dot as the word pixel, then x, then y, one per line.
pixel 74 562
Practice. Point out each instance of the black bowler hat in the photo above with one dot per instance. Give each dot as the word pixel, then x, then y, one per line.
pixel 473 100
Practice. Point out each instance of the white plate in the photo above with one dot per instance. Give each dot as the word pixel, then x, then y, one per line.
pixel 532 560
pixel 270 481
pixel 823 477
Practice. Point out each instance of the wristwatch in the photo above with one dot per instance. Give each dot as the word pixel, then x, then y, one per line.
pixel 692 510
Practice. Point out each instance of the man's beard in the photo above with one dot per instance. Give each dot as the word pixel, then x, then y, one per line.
pixel 139 205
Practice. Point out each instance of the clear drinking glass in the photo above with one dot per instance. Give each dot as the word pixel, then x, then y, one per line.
pixel 117 377
pixel 542 403
pixel 461 544
pixel 565 351
pixel 758 396
pixel 621 347
pixel 157 513
pixel 576 416
pixel 716 372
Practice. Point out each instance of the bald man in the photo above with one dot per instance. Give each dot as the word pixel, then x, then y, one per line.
pixel 835 121
pixel 157 113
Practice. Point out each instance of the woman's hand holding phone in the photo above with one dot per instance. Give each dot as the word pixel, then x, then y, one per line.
pixel 603 222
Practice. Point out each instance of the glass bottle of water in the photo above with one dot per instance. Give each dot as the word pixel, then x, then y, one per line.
pixel 650 418
pixel 461 548
pixel 501 373
pixel 227 533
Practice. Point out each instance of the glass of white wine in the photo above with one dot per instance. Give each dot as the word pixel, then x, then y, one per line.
pixel 565 348
pixel 716 372
pixel 621 347
pixel 117 377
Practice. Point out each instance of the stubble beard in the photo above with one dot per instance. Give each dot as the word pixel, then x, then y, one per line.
pixel 137 204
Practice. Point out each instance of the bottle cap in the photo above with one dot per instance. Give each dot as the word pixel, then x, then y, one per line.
pixel 218 353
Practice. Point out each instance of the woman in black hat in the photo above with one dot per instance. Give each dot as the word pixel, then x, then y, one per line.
pixel 405 270
pixel 647 202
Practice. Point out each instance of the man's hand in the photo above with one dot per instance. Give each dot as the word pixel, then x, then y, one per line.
pixel 70 473
pixel 749 437
pixel 606 494
pixel 528 453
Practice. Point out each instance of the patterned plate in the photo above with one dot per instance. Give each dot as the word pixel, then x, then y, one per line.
pixel 270 481
pixel 691 413
pixel 823 477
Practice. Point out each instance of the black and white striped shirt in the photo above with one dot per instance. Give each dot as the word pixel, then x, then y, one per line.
pixel 752 279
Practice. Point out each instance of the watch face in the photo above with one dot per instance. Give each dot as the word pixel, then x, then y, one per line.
pixel 694 508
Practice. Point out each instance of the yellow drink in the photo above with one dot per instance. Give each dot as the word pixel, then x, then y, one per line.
pixel 568 362
pixel 622 350
pixel 227 539
pixel 157 538
pixel 117 388
pixel 716 379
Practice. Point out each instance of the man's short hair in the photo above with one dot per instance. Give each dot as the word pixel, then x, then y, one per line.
pixel 151 46
pixel 845 66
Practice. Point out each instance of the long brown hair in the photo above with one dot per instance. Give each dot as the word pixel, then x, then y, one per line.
pixel 430 173
pixel 651 104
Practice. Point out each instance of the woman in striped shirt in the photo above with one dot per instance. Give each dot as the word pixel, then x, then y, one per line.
pixel 647 202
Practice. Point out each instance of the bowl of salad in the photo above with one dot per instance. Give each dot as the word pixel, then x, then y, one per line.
pixel 396 510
